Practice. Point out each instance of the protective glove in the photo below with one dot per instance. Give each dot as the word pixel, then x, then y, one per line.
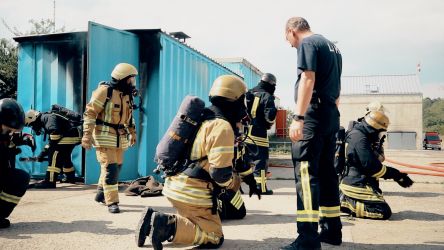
pixel 235 184
pixel 403 180
pixel 28 140
pixel 87 141
pixel 251 182
pixel 132 139
pixel 43 154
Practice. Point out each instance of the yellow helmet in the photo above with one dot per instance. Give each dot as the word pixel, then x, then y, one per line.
pixel 375 106
pixel 377 120
pixel 31 116
pixel 123 70
pixel 228 86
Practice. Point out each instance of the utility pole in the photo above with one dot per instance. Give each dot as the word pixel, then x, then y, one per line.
pixel 53 18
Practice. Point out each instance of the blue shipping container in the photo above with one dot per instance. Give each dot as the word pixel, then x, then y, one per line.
pixel 66 68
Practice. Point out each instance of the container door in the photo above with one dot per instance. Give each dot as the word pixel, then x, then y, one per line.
pixel 50 72
pixel 106 48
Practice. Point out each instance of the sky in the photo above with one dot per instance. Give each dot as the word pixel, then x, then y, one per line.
pixel 376 37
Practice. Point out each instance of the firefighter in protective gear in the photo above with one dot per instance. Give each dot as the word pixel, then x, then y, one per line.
pixel 13 182
pixel 63 137
pixel 109 126
pixel 360 194
pixel 262 112
pixel 194 191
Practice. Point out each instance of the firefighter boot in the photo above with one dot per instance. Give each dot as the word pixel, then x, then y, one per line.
pixel 114 208
pixel 266 191
pixel 45 184
pixel 100 196
pixel 299 244
pixel 48 182
pixel 69 177
pixel 164 228
pixel 211 245
pixel 4 223
pixel 331 231
pixel 144 226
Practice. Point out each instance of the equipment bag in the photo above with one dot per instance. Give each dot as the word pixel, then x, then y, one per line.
pixel 173 150
pixel 74 118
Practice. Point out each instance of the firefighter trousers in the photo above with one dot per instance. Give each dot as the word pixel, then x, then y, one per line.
pixel 59 161
pixel 196 225
pixel 13 185
pixel 316 180
pixel 110 160
pixel 230 205
pixel 377 210
pixel 260 160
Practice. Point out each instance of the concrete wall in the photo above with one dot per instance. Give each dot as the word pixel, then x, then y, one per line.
pixel 404 111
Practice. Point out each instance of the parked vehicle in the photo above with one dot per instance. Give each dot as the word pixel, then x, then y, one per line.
pixel 431 140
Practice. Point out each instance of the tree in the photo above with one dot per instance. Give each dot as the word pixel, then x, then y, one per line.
pixel 8 54
pixel 433 115
pixel 42 26
pixel 8 69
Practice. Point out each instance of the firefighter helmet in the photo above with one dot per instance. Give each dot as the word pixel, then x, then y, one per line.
pixel 31 116
pixel 377 120
pixel 375 106
pixel 123 70
pixel 11 113
pixel 228 86
pixel 268 77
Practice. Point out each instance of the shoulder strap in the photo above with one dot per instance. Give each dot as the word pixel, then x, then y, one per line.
pixel 109 92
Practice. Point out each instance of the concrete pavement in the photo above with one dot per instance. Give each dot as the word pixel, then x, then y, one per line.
pixel 68 218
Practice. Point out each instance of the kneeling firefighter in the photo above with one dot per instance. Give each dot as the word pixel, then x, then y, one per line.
pixel 13 182
pixel 360 195
pixel 109 126
pixel 193 192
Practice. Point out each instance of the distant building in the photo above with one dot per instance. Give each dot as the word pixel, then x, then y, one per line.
pixel 400 94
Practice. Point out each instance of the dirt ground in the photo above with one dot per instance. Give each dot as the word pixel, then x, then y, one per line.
pixel 68 218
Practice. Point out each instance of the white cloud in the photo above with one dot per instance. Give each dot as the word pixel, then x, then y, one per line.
pixel 374 36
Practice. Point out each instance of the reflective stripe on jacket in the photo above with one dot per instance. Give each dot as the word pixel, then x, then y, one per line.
pixel 118 111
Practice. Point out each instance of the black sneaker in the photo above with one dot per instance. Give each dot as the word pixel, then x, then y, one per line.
pixel 144 226
pixel 45 185
pixel 114 209
pixel 4 223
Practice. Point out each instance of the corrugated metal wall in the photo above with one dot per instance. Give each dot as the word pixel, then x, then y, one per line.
pixel 182 71
pixel 53 69
pixel 50 72
pixel 106 48
pixel 251 78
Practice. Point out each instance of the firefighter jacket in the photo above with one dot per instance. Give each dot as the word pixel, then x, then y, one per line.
pixel 262 111
pixel 214 144
pixel 60 130
pixel 109 118
pixel 364 167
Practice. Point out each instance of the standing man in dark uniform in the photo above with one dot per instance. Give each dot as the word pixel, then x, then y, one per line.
pixel 315 122
pixel 262 111
pixel 63 137
pixel 13 182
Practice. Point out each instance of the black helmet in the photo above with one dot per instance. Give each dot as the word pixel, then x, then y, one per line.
pixel 11 114
pixel 268 77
